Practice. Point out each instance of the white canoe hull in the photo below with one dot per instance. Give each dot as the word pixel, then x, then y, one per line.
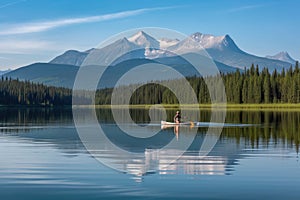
pixel 163 123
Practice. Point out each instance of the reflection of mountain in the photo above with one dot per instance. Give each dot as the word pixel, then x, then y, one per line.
pixel 61 137
pixel 150 155
pixel 188 163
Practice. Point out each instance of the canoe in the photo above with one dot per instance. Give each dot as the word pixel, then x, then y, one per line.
pixel 165 123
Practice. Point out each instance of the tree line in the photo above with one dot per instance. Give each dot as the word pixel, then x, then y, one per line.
pixel 256 86
pixel 15 92
pixel 242 87
pixel 246 86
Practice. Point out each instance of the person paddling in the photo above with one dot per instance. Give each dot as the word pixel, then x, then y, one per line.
pixel 177 117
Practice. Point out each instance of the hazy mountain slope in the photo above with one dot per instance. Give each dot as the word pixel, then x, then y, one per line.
pixel 70 57
pixel 46 73
pixel 283 56
pixel 5 72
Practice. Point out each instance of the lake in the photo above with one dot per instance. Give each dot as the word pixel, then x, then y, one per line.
pixel 42 157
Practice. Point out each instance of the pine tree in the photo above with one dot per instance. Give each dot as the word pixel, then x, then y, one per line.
pixel 267 88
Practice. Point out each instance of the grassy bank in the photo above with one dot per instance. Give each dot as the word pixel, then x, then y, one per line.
pixel 268 107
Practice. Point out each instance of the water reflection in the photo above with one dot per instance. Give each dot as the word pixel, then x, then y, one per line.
pixel 148 157
pixel 25 119
pixel 276 130
pixel 190 164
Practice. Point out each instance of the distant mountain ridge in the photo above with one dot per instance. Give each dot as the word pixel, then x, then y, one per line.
pixel 283 56
pixel 58 75
pixel 70 57
pixel 221 48
pixel 142 48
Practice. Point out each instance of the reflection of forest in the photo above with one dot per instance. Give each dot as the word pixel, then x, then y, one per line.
pixel 268 130
pixel 34 115
pixel 282 128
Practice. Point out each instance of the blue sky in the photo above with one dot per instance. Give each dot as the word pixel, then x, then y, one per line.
pixel 38 30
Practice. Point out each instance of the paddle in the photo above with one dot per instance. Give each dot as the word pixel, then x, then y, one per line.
pixel 191 122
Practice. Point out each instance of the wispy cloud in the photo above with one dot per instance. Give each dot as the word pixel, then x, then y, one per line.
pixel 24 46
pixel 35 27
pixel 11 3
pixel 243 8
pixel 3 58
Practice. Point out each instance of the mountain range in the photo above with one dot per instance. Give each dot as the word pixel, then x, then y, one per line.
pixel 283 56
pixel 144 48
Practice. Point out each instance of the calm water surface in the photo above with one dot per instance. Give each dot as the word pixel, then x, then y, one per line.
pixel 42 157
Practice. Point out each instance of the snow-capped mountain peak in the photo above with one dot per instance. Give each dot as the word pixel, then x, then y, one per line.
pixel 209 41
pixel 199 41
pixel 144 40
pixel 283 56
pixel 124 41
pixel 166 42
